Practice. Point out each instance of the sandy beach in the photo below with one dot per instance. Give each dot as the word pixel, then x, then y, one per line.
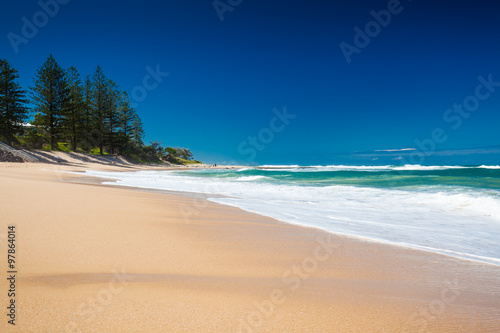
pixel 97 258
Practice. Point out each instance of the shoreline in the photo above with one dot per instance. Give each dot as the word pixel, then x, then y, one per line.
pixel 208 196
pixel 221 264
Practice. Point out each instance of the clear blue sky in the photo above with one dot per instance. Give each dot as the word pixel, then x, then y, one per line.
pixel 226 77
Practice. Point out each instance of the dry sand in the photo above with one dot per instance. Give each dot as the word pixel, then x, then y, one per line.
pixel 94 258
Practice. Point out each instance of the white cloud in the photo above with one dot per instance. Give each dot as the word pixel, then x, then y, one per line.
pixel 392 150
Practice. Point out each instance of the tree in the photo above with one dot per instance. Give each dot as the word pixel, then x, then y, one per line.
pixel 156 148
pixel 75 108
pixel 111 115
pixel 51 95
pixel 87 138
pixel 171 151
pixel 127 114
pixel 137 132
pixel 125 118
pixel 183 153
pixel 13 111
pixel 98 100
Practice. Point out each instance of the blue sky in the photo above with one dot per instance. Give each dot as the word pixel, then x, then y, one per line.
pixel 226 77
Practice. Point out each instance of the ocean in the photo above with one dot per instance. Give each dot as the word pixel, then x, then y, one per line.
pixel 453 210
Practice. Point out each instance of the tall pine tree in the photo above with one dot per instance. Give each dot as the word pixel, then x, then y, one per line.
pixel 13 111
pixel 51 95
pixel 98 105
pixel 137 131
pixel 111 115
pixel 127 114
pixel 88 139
pixel 75 108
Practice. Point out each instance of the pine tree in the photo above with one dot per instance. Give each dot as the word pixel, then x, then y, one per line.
pixel 127 114
pixel 13 111
pixel 99 90
pixel 87 138
pixel 137 131
pixel 51 95
pixel 112 117
pixel 75 108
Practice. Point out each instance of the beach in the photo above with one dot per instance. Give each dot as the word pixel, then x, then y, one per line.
pixel 98 258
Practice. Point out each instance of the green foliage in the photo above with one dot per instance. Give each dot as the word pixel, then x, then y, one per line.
pixel 126 114
pixel 171 151
pixel 51 96
pixel 180 161
pixel 183 153
pixel 137 131
pixel 111 115
pixel 73 120
pixel 63 146
pixel 13 111
pixel 32 139
pixel 186 162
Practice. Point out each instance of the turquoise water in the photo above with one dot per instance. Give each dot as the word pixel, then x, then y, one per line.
pixel 480 177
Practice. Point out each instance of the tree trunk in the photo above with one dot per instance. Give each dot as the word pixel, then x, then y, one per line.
pixel 52 134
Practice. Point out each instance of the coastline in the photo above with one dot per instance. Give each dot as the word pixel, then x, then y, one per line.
pixel 135 261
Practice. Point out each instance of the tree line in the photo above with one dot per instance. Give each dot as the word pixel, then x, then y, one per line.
pixel 69 112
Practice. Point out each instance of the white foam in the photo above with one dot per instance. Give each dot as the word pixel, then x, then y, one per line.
pixel 244 169
pixel 280 166
pixel 489 166
pixel 416 167
pixel 251 178
pixel 406 167
pixel 351 167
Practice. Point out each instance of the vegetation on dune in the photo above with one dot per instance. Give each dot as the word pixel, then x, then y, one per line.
pixel 71 113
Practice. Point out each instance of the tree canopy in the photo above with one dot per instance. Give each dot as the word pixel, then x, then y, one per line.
pixel 13 110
